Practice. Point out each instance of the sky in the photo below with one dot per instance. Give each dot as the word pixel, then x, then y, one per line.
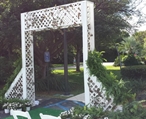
pixel 142 8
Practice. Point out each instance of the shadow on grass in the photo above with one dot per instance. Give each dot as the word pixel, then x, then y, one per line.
pixel 75 80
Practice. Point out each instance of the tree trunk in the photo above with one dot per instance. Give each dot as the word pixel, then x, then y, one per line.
pixel 78 61
pixel 119 57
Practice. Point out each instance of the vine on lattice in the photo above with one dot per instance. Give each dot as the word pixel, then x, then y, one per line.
pixel 110 83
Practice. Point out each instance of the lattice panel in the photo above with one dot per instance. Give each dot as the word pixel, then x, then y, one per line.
pixel 68 15
pixel 89 30
pixel 28 49
pixel 29 65
pixel 30 84
pixel 17 90
pixel 97 95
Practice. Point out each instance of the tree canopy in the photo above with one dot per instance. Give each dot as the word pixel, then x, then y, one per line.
pixel 110 21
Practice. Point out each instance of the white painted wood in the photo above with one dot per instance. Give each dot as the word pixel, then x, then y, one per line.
pixel 8 93
pixel 44 116
pixel 88 41
pixel 91 27
pixel 85 51
pixel 16 113
pixel 23 50
pixel 64 16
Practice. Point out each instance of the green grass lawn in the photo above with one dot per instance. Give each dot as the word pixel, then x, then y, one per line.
pixel 76 79
pixel 115 70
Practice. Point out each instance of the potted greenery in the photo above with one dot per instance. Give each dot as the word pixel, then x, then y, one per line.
pixel 27 104
pixel 6 107
pixel 15 104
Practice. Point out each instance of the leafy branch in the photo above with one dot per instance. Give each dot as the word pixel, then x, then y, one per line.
pixel 110 83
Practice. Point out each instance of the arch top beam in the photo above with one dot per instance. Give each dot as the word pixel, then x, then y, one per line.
pixel 63 16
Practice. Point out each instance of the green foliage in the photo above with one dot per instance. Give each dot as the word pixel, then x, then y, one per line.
pixel 51 83
pixel 130 60
pixel 113 86
pixel 127 60
pixel 117 60
pixel 136 85
pixel 130 46
pixel 133 110
pixel 139 36
pixel 15 103
pixel 86 111
pixel 1 100
pixel 5 69
pixel 17 67
pixel 110 24
pixel 134 72
pixel 56 81
pixel 133 51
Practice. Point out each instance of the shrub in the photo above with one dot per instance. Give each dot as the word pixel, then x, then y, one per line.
pixel 134 72
pixel 117 60
pixel 13 103
pixel 6 69
pixel 113 86
pixel 17 67
pixel 130 60
pixel 84 112
pixel 133 110
pixel 136 86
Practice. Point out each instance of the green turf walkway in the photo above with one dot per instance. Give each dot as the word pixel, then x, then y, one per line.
pixel 35 113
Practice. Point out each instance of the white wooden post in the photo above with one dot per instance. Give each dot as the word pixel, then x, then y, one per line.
pixel 88 41
pixel 85 51
pixel 23 49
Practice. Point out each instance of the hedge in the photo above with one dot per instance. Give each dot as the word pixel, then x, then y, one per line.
pixel 134 72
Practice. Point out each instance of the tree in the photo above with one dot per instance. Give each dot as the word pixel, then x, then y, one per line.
pixel 109 22
pixel 131 51
pixel 77 44
pixel 130 46
pixel 140 36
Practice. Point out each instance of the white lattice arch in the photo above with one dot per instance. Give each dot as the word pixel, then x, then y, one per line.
pixel 64 16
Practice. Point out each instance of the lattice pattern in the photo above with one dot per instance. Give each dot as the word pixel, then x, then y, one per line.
pixel 16 89
pixel 89 31
pixel 30 88
pixel 28 49
pixel 53 18
pixel 97 95
pixel 30 84
pixel 64 16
